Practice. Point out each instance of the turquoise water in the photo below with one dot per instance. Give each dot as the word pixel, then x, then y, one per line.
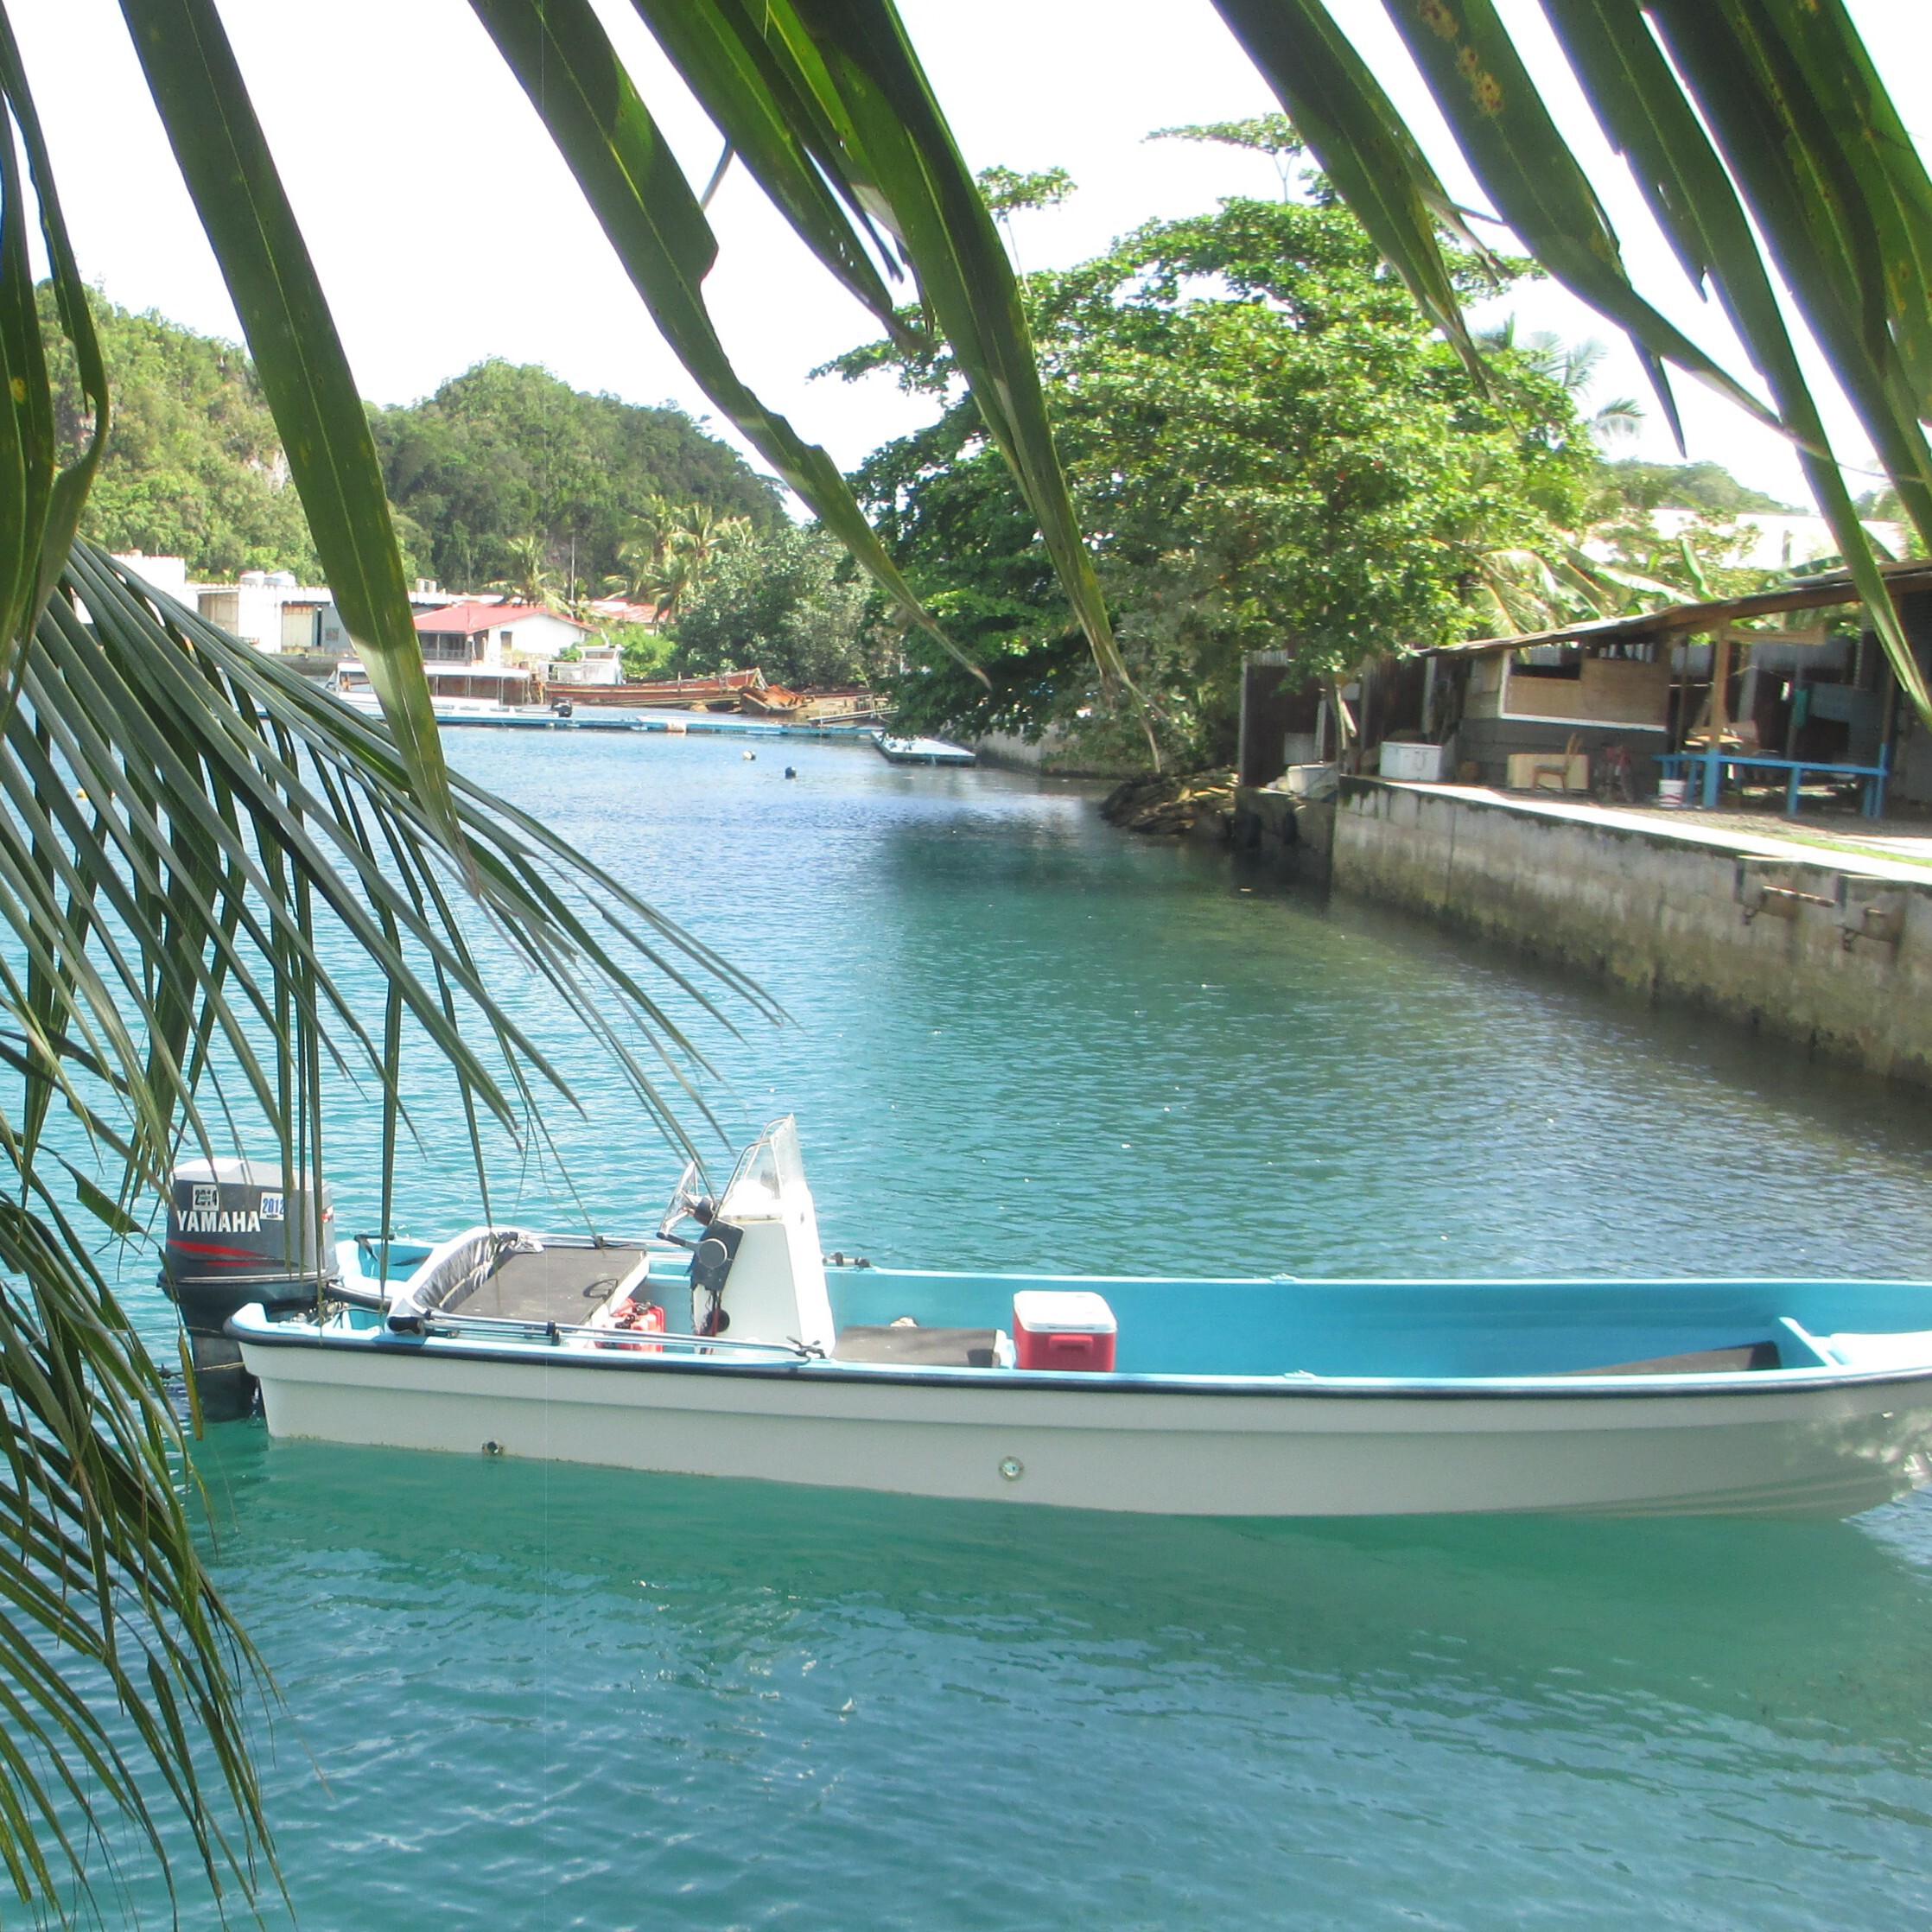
pixel 550 1697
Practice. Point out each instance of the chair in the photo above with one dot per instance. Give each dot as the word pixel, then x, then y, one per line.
pixel 1555 767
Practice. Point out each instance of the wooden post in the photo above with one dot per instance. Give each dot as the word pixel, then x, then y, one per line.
pixel 1720 683
pixel 1719 715
pixel 1245 760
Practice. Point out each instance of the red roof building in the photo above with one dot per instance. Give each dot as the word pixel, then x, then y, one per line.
pixel 479 633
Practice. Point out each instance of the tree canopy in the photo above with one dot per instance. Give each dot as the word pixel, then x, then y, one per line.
pixel 1646 486
pixel 788 601
pixel 504 453
pixel 494 475
pixel 1272 449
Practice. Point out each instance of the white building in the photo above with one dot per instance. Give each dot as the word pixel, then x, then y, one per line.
pixel 266 609
pixel 167 574
pixel 600 664
pixel 269 608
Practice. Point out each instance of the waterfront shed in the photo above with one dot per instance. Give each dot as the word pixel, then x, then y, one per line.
pixel 1794 668
pixel 1815 686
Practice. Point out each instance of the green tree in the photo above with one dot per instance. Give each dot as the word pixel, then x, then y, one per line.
pixel 1276 451
pixel 786 602
pixel 698 537
pixel 643 551
pixel 503 453
pixel 642 651
pixel 528 577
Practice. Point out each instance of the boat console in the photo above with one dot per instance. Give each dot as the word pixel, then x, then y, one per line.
pixel 757 1273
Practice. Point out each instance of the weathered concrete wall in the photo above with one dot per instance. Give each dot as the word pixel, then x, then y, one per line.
pixel 1293 833
pixel 1049 754
pixel 1835 953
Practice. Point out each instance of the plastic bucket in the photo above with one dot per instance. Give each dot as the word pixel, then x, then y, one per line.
pixel 1673 793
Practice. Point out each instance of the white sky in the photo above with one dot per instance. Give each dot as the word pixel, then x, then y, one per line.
pixel 446 229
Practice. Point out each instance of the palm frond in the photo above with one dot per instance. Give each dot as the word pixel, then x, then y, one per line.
pixel 832 92
pixel 192 842
pixel 40 497
pixel 224 160
pixel 1377 167
pixel 559 50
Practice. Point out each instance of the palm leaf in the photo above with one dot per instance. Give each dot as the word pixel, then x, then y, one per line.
pixel 1511 142
pixel 191 839
pixel 830 91
pixel 39 500
pixel 770 108
pixel 942 222
pixel 224 160
pixel 1815 176
pixel 559 51
pixel 1353 129
pixel 1646 116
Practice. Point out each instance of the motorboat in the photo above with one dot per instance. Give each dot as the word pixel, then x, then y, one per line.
pixel 729 1345
pixel 456 691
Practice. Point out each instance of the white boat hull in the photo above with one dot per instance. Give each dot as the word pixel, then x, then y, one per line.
pixel 1831 1447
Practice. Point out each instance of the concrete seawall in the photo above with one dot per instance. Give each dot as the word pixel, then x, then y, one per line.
pixel 1833 950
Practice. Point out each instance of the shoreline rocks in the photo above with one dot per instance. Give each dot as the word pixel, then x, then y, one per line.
pixel 1197 804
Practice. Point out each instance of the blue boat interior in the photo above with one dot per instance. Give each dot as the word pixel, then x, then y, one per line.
pixel 390 1260
pixel 1456 1330
pixel 1432 1330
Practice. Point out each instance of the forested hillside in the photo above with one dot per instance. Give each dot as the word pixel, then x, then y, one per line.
pixel 1640 485
pixel 193 467
pixel 496 459
pixel 503 454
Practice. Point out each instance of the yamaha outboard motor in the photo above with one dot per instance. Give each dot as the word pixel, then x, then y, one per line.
pixel 235 1235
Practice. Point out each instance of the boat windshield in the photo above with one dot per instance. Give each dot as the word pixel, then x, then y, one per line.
pixel 691 1189
pixel 770 1172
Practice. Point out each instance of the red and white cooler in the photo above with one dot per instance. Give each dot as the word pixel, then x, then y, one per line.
pixel 1062 1328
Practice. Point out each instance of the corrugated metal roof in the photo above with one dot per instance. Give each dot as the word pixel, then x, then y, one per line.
pixel 1677 620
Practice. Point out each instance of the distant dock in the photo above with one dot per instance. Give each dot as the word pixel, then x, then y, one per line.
pixel 920 751
pixel 677 724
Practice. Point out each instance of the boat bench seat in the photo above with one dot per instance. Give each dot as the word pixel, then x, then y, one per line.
pixel 1699 1362
pixel 563 1284
pixel 925 1348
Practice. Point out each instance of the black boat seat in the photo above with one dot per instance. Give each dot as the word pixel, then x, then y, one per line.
pixel 1699 1362
pixel 909 1347
pixel 563 1284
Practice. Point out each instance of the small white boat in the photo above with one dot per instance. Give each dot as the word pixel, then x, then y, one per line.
pixel 508 693
pixel 921 751
pixel 749 1354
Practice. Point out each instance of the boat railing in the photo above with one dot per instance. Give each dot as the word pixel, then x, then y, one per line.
pixel 435 1324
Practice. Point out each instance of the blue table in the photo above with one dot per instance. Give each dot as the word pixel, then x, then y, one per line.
pixel 1716 762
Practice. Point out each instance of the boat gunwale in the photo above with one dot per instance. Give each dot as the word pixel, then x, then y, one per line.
pixel 1287 1383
